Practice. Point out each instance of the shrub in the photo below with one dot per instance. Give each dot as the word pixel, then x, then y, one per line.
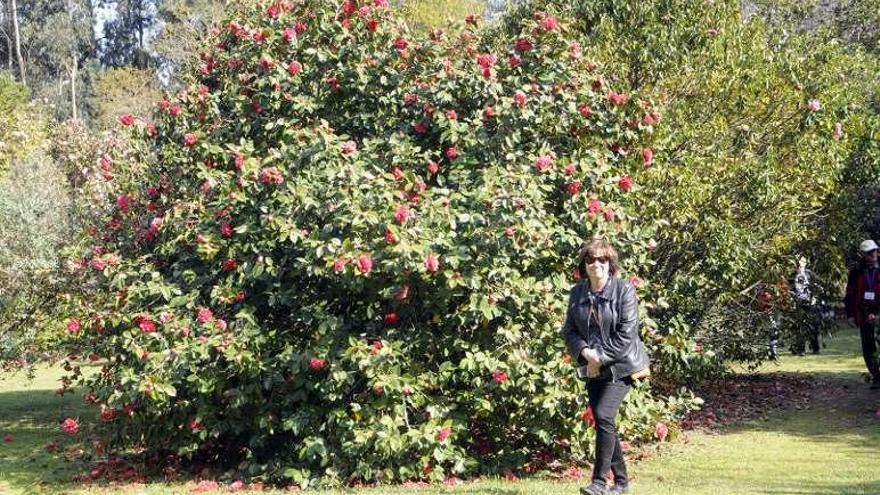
pixel 343 253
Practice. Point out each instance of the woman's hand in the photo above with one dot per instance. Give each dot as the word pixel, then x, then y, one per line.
pixel 591 355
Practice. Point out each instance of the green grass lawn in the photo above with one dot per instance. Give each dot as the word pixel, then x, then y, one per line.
pixel 831 447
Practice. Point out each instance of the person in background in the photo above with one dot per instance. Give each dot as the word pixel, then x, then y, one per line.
pixel 806 305
pixel 601 332
pixel 862 305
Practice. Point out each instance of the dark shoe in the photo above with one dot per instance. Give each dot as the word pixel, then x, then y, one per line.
pixel 620 488
pixel 875 384
pixel 594 489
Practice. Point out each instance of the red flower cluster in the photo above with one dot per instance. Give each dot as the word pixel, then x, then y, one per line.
pixel 271 175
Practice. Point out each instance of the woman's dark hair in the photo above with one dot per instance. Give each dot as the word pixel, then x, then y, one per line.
pixel 594 249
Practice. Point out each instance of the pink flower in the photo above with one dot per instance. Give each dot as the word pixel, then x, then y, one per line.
pixel 127 119
pixel 147 325
pixel 452 153
pixel 443 433
pixel 317 364
pixel 523 45
pixel 165 317
pixel 635 281
pixel 543 162
pixel 294 68
pixel 289 34
pixel 229 265
pixel 648 156
pixel 814 105
pixel 651 119
pixel 190 139
pixel 570 169
pixel 271 175
pixel 509 232
pixel 661 431
pixel 432 263
pixel 499 376
pixel 595 206
pixel 486 60
pixel 195 424
pixel 488 112
pixel 204 315
pixel 123 202
pixel 401 43
pixel 365 263
pixel 585 110
pixel 452 115
pixel 391 318
pixel 549 23
pixel 401 215
pixel 838 131
pixel 573 187
pixel 514 61
pixel 381 3
pixel 575 51
pixel 520 99
pixel 73 325
pixel 397 173
pixel 226 229
pixel 266 64
pixel 625 183
pixel 300 27
pixel 349 147
pixel 339 264
pixel 588 417
pixel 616 98
pixel 70 426
pixel 433 167
pixel 237 486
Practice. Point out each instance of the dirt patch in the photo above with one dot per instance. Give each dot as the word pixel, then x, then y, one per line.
pixel 738 398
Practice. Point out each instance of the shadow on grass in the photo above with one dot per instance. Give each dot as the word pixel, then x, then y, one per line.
pixel 32 418
pixel 869 488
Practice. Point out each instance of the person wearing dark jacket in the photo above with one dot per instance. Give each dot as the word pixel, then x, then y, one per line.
pixel 601 332
pixel 862 304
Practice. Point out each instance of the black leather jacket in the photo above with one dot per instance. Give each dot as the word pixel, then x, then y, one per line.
pixel 620 347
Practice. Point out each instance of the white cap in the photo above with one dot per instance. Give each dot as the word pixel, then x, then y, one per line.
pixel 867 245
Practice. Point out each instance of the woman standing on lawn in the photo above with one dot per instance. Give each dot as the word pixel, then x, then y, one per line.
pixel 602 333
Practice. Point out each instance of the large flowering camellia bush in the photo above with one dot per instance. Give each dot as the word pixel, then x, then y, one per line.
pixel 343 254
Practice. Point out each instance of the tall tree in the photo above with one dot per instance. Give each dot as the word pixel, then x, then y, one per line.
pixel 127 36
pixel 184 23
pixel 13 12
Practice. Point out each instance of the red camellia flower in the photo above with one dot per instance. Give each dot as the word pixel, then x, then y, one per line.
pixel 661 431
pixel 625 183
pixel 549 23
pixel 401 215
pixel 271 175
pixel 70 426
pixel 452 153
pixel 397 173
pixel 575 51
pixel 266 64
pixel 573 187
pixel 452 115
pixel 73 325
pixel 390 238
pixel 300 27
pixel 294 68
pixel 391 318
pixel 190 139
pixel 107 413
pixel 433 167
pixel 372 25
pixel 588 417
pixel 127 119
pixel 499 376
pixel 443 433
pixel 616 98
pixel 520 99
pixel 195 424
pixel 420 127
pixel 543 162
pixel 635 281
pixel 98 264
pixel 230 265
pixel 317 364
pixel 226 229
pixel 204 315
pixel 648 156
pixel 651 119
pixel 432 263
pixel 570 169
pixel 514 61
pixel 365 263
pixel 401 43
pixel 147 325
pixel 488 112
pixel 523 45
pixel 123 202
pixel 585 110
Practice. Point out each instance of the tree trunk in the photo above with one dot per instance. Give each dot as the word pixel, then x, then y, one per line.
pixel 74 60
pixel 14 13
pixel 7 28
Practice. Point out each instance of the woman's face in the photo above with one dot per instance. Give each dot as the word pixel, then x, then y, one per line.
pixel 597 267
pixel 870 257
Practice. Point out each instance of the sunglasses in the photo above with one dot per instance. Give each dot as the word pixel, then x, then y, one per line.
pixel 589 260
